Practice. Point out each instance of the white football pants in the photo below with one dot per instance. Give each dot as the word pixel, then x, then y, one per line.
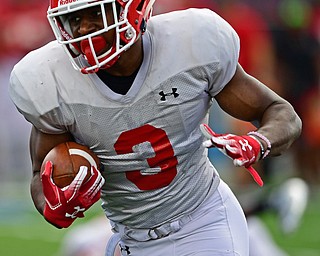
pixel 217 228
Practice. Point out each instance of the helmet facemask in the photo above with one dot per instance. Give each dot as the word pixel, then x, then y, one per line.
pixel 92 46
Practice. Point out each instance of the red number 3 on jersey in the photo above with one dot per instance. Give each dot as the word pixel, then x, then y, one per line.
pixel 164 156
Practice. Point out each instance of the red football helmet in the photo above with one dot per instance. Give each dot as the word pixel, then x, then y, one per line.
pixel 130 17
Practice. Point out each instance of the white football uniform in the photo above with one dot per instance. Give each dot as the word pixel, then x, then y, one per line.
pixel 148 141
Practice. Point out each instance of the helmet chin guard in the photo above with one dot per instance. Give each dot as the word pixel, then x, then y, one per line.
pixel 89 47
pixel 129 22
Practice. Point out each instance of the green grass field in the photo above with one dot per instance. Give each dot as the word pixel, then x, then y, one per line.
pixel 24 232
pixel 306 240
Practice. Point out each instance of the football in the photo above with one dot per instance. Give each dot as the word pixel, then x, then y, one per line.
pixel 67 158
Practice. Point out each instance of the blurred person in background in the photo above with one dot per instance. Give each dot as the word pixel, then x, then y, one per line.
pixel 24 27
pixel 88 239
pixel 296 38
pixel 163 6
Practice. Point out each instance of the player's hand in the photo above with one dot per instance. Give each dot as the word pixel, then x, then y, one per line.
pixel 243 150
pixel 64 205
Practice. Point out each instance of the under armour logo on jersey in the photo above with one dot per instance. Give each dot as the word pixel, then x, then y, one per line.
pixel 74 214
pixel 125 248
pixel 164 95
pixel 245 144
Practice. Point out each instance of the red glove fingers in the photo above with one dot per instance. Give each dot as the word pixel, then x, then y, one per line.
pixel 243 150
pixel 53 195
pixel 73 189
pixel 90 190
pixel 64 205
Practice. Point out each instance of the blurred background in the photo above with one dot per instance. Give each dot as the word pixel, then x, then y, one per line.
pixel 279 45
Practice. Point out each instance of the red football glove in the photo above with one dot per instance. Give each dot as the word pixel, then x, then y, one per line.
pixel 64 205
pixel 244 150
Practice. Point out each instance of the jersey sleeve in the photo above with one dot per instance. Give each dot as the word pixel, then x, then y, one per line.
pixel 37 103
pixel 228 43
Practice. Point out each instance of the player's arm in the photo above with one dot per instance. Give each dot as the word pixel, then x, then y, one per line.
pixel 246 98
pixel 60 206
pixel 40 144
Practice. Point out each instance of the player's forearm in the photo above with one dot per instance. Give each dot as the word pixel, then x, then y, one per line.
pixel 281 125
pixel 37 193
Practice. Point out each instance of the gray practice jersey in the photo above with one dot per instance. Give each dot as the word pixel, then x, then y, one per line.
pixel 148 141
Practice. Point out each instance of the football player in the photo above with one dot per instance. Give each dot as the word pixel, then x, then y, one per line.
pixel 136 89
